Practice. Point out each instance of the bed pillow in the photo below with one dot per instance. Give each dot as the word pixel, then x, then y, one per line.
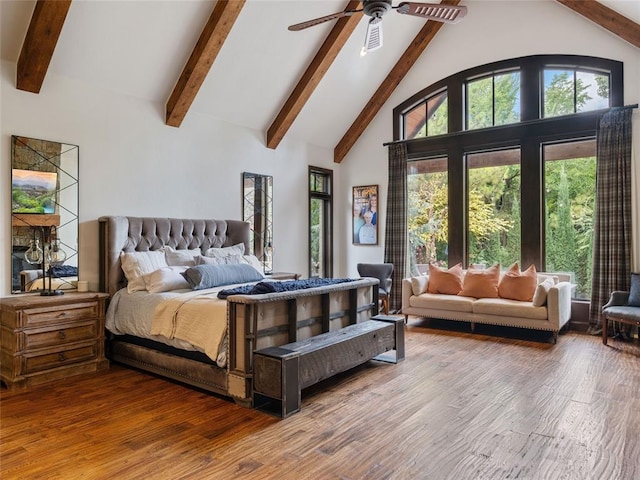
pixel 180 258
pixel 445 281
pixel 517 285
pixel 209 276
pixel 218 252
pixel 481 283
pixel 136 264
pixel 540 295
pixel 165 279
pixel 247 259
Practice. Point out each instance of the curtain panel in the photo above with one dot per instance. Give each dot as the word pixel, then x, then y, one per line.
pixel 395 248
pixel 612 219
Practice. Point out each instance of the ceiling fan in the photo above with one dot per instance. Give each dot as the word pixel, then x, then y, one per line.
pixel 377 8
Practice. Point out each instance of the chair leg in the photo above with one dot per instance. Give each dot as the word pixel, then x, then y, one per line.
pixel 604 330
pixel 385 305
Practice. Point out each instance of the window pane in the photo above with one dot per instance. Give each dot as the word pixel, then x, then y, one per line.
pixel 493 205
pixel 593 91
pixel 558 93
pixel 415 122
pixel 317 236
pixel 437 114
pixel 570 184
pixel 480 103
pixel 427 212
pixel 507 98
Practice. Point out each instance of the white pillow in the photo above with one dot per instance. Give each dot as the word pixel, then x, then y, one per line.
pixel 136 264
pixel 248 259
pixel 540 295
pixel 225 251
pixel 179 258
pixel 200 260
pixel 165 279
pixel 419 284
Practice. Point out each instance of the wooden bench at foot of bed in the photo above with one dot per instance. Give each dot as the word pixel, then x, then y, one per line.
pixel 280 373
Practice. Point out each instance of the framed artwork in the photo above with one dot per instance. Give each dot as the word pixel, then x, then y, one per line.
pixel 365 215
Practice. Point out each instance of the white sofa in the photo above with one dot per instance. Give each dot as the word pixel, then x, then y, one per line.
pixel 551 316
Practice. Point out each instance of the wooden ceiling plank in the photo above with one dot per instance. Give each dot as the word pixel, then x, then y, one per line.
pixel 204 54
pixel 320 64
pixel 40 43
pixel 384 91
pixel 607 18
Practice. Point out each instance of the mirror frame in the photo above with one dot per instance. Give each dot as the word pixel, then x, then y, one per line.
pixel 257 209
pixel 52 217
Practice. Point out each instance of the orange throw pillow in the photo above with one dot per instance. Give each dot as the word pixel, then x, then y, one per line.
pixel 445 281
pixel 517 285
pixel 481 283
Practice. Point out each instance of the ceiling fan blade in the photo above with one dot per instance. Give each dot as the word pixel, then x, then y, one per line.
pixel 319 20
pixel 433 11
pixel 373 39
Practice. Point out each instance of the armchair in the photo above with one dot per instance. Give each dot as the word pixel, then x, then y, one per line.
pixel 383 272
pixel 617 309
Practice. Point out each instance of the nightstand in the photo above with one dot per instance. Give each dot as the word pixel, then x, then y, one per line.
pixel 43 339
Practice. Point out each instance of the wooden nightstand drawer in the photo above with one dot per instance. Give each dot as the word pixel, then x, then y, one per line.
pixel 39 338
pixel 32 317
pixel 52 358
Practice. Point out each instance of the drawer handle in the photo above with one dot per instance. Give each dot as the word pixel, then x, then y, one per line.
pixel 61 357
pixel 62 335
pixel 62 315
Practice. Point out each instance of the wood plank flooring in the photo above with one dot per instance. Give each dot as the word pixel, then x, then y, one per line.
pixel 461 406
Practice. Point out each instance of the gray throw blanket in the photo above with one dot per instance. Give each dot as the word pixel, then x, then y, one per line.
pixel 271 287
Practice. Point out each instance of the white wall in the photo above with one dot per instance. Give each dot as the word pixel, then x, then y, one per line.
pixel 522 28
pixel 131 163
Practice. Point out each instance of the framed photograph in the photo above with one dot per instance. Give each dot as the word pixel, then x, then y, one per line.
pixel 365 215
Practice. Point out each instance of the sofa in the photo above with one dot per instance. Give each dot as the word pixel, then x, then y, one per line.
pixel 549 310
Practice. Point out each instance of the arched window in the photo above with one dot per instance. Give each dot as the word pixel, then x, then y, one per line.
pixel 502 163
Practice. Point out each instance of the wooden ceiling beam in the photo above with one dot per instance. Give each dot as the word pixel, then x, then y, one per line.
pixel 607 18
pixel 204 54
pixel 323 59
pixel 40 43
pixel 384 91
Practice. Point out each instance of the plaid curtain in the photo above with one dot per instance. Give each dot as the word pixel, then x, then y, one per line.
pixel 395 247
pixel 612 219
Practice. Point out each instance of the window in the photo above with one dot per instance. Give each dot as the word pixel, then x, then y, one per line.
pixel 569 91
pixel 493 100
pixel 513 178
pixel 428 118
pixel 320 222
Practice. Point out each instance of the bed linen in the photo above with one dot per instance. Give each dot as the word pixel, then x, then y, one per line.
pixel 134 313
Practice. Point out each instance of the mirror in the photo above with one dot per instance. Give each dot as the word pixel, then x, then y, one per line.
pixel 257 208
pixel 44 216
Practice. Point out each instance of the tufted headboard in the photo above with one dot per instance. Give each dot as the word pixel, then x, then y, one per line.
pixel 128 234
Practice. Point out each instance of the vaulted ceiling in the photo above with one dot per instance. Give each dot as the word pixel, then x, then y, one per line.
pixel 177 53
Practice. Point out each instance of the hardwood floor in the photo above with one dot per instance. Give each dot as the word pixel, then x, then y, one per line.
pixel 461 406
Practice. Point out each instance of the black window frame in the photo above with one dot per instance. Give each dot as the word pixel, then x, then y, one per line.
pixel 326 196
pixel 529 134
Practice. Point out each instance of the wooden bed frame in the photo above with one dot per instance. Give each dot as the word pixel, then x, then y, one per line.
pixel 254 321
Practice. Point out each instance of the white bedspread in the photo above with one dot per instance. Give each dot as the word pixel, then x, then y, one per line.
pixel 133 313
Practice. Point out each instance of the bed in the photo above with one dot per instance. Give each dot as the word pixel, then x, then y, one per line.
pixel 251 321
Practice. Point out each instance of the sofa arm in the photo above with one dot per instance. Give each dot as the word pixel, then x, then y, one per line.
pixel 407 291
pixel 559 304
pixel 618 298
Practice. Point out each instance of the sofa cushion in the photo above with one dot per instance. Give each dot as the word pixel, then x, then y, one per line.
pixel 439 301
pixel 445 281
pixel 481 283
pixel 419 284
pixel 517 285
pixel 540 295
pixel 509 308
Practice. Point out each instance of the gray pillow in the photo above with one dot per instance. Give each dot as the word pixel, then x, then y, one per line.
pixel 209 276
pixel 634 291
